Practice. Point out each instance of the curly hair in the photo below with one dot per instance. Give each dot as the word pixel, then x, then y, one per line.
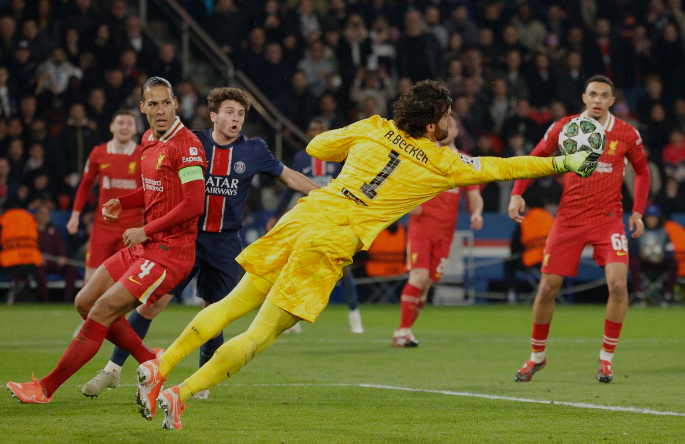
pixel 217 96
pixel 425 103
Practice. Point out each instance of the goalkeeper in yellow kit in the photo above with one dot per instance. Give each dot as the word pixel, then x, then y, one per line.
pixel 390 167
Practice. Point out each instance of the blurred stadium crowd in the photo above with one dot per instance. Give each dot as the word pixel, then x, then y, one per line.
pixel 514 67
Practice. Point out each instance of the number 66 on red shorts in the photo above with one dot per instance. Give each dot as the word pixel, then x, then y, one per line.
pixel 565 245
pixel 146 279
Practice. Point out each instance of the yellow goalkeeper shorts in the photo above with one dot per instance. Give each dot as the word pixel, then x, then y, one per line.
pixel 299 261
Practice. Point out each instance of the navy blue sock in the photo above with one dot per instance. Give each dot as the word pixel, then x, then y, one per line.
pixel 140 325
pixel 208 348
pixel 350 290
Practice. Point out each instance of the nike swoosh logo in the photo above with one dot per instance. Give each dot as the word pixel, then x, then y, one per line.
pixel 130 278
pixel 105 165
pixel 142 157
pixel 621 253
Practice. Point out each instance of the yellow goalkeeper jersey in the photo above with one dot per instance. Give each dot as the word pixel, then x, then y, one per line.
pixel 387 173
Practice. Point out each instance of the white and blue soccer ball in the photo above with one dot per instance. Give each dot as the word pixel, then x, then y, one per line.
pixel 582 134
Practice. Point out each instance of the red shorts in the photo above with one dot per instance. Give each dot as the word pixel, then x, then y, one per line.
pixel 565 245
pixel 145 279
pixel 104 242
pixel 428 252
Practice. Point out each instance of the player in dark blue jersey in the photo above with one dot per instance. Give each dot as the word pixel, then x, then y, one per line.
pixel 233 160
pixel 321 173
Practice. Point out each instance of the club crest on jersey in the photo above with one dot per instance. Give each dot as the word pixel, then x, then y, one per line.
pixel 193 151
pixel 612 147
pixel 132 167
pixel 239 167
pixel 160 159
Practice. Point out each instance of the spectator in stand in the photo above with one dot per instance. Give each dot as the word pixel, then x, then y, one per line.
pixel 516 81
pixel 571 83
pixel 15 156
pixel 521 123
pixel 460 23
pixel 128 65
pixel 316 68
pixel 375 84
pixel 500 104
pixel 368 108
pixel 455 76
pixel 8 93
pixel 139 40
pixel 431 18
pixel 51 242
pixel 297 102
pixel 40 191
pixel 271 74
pixel 188 98
pixel 115 89
pixel 71 46
pixel 28 107
pixel 511 41
pixel 304 20
pixel 489 51
pixel 83 18
pixel 8 187
pixel 226 26
pixel 167 64
pixel 668 51
pixel 557 20
pixel 419 54
pixel 253 54
pixel 670 199
pixel 8 38
pixel 58 71
pixel 38 40
pixel 36 159
pixel 655 182
pixel 402 86
pixel 104 48
pixel 674 156
pixel 354 49
pixel 272 21
pixel 99 112
pixel 656 129
pixel 622 111
pixel 328 112
pixel 531 31
pixel 23 68
pixel 679 115
pixel 606 54
pixel 654 94
pixel 543 81
pixel 454 49
pixel 78 137
pixel 115 19
pixel 336 16
pixel 383 49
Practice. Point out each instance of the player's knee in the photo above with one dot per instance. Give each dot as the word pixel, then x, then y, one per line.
pixel 148 312
pixel 548 289
pixel 419 278
pixel 82 304
pixel 617 288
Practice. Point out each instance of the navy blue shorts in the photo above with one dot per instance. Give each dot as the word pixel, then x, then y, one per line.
pixel 215 255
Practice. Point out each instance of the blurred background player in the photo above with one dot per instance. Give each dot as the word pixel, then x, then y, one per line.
pixel 116 166
pixel 590 212
pixel 158 255
pixel 391 167
pixel 431 229
pixel 321 172
pixel 233 160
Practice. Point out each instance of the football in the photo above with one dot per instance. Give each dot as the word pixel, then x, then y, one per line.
pixel 582 134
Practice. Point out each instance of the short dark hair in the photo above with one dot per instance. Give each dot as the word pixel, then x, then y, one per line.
pixel 217 96
pixel 123 112
pixel 600 79
pixel 425 103
pixel 155 81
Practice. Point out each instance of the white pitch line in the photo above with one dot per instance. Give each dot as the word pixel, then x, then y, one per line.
pixel 580 405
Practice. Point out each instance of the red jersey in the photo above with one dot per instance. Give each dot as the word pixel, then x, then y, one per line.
pixel 118 174
pixel 161 160
pixel 596 199
pixel 439 215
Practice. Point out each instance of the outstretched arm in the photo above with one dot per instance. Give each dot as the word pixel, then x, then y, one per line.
pixel 82 193
pixel 297 181
pixel 476 208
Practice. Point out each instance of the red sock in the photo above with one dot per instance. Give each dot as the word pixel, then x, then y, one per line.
pixel 81 350
pixel 410 299
pixel 612 331
pixel 123 336
pixel 419 309
pixel 539 338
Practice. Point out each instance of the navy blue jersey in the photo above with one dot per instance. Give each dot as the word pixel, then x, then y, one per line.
pixel 230 170
pixel 319 171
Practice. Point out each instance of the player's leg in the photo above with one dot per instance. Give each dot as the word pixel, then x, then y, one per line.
pixel 244 298
pixel 422 300
pixel 352 300
pixel 440 253
pixel 562 257
pixel 270 323
pixel 410 300
pixel 611 251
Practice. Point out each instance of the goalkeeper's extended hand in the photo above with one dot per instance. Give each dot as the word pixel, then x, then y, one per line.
pixel 583 163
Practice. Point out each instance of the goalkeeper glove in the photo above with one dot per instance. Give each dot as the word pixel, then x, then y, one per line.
pixel 583 163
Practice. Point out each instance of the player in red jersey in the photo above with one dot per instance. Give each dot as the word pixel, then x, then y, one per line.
pixel 116 166
pixel 591 213
pixel 431 229
pixel 159 254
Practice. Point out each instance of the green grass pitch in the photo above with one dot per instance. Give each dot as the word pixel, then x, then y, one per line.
pixel 329 386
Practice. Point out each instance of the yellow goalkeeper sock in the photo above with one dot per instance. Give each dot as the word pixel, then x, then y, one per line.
pixel 244 298
pixel 270 322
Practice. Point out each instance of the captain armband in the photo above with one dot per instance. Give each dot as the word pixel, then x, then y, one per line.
pixel 191 173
